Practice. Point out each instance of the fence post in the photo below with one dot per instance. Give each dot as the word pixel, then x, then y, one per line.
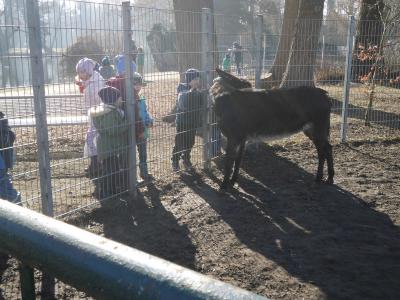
pixel 37 71
pixel 259 50
pixel 35 47
pixel 206 64
pixel 130 100
pixel 347 79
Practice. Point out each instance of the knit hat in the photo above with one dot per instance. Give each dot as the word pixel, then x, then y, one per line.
pixel 86 66
pixel 109 95
pixel 119 62
pixel 105 61
pixel 191 74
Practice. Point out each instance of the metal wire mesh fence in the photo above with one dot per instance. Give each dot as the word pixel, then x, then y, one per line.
pixel 55 113
pixel 165 44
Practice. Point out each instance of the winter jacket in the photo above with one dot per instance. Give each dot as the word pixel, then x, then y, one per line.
pixel 190 109
pixel 226 64
pixel 119 83
pixel 112 129
pixel 7 138
pixel 140 59
pixel 182 87
pixel 144 115
pixel 92 86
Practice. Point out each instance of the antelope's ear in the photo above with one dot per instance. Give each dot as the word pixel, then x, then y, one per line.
pixel 266 76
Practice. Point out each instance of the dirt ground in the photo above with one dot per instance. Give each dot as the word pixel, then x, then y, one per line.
pixel 277 233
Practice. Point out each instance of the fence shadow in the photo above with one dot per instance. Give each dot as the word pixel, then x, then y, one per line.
pixel 320 234
pixel 380 117
pixel 3 267
pixel 146 225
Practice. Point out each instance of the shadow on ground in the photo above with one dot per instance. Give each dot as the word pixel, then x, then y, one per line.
pixel 388 119
pixel 320 234
pixel 144 225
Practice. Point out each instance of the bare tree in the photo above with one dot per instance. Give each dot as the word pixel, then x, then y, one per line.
pixel 369 32
pixel 300 66
pixel 389 16
pixel 288 28
pixel 188 28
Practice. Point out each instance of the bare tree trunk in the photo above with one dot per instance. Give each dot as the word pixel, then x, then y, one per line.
pixel 369 32
pixel 300 67
pixel 288 28
pixel 188 28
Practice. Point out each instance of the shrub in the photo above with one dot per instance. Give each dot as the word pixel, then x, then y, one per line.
pixel 83 47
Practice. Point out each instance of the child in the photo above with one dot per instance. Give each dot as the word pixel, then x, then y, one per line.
pixel 112 128
pixel 7 138
pixel 90 82
pixel 226 63
pixel 147 121
pixel 140 60
pixel 119 62
pixel 238 56
pixel 171 117
pixel 189 118
pixel 106 70
pixel 118 82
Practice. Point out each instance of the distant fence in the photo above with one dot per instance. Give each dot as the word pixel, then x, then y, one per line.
pixel 49 115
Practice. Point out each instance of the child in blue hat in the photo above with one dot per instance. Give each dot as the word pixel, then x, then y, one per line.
pixel 189 118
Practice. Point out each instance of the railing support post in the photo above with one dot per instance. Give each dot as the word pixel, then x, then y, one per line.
pixel 27 282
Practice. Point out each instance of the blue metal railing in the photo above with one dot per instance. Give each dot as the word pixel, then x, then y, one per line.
pixel 100 267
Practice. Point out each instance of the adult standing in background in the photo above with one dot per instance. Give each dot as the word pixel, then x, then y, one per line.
pixel 237 52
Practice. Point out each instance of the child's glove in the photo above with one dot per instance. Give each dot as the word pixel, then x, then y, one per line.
pixel 80 84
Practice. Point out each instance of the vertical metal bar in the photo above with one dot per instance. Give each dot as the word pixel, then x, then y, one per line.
pixel 206 65
pixel 347 79
pixel 130 100
pixel 38 82
pixel 35 46
pixel 27 282
pixel 259 50
pixel 264 50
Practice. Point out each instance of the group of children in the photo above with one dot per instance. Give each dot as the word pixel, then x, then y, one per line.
pixel 107 70
pixel 106 142
pixel 107 137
